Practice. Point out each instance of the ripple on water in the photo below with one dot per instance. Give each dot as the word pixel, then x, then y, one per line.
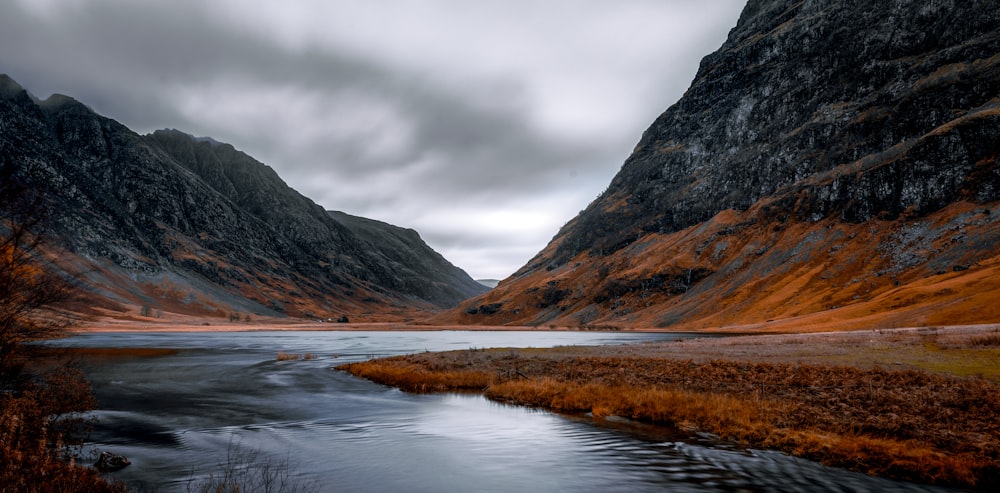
pixel 123 427
pixel 179 414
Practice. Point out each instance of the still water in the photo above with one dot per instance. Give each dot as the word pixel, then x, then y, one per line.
pixel 175 417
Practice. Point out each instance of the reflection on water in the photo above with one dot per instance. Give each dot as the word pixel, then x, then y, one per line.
pixel 175 417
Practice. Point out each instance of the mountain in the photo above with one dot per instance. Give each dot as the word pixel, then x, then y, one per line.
pixel 412 265
pixel 181 224
pixel 490 283
pixel 832 165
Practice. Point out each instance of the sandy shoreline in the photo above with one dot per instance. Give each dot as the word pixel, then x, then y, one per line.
pixel 220 325
pixel 132 326
pixel 180 323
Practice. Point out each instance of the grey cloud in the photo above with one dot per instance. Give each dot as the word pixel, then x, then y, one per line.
pixel 354 131
pixel 146 53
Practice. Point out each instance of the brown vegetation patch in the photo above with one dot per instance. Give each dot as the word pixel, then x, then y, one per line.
pixel 987 340
pixel 118 352
pixel 417 378
pixel 40 429
pixel 283 356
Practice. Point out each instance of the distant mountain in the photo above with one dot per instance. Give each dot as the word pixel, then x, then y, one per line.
pixel 490 283
pixel 833 164
pixel 412 266
pixel 191 225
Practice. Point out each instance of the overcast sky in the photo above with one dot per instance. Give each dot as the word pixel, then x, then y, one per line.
pixel 484 125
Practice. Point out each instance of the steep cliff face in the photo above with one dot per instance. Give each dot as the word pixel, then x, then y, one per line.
pixel 828 155
pixel 194 226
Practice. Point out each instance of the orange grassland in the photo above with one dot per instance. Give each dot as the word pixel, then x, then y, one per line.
pixel 764 275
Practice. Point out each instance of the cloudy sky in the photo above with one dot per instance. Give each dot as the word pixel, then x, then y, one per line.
pixel 485 125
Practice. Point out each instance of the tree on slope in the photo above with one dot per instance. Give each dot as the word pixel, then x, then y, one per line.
pixel 25 285
pixel 40 413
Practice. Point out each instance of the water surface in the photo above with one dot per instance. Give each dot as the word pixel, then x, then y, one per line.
pixel 176 417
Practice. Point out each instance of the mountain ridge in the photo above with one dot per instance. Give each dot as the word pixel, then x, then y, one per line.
pixel 867 129
pixel 194 225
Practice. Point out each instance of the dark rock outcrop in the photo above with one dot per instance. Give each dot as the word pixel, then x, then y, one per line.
pixel 847 109
pixel 109 462
pixel 195 225
pixel 832 114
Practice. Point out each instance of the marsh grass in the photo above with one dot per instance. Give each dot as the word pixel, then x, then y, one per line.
pixel 963 340
pixel 910 425
pixel 729 417
pixel 283 356
pixel 992 339
pixel 415 378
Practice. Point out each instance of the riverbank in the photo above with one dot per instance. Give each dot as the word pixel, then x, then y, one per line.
pixel 193 324
pixel 918 404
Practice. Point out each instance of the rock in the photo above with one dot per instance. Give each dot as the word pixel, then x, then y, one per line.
pixel 109 462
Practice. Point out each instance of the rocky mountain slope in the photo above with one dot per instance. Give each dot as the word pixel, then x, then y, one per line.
pixel 173 223
pixel 833 164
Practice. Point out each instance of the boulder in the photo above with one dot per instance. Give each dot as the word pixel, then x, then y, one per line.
pixel 108 462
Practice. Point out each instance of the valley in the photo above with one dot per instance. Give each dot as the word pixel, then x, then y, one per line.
pixel 790 283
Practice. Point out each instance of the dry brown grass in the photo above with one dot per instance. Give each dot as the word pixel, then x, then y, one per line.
pixel 910 425
pixel 414 378
pixel 986 340
pixel 726 415
pixel 283 356
pixel 40 428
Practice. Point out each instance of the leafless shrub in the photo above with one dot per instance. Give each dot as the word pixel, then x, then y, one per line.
pixel 41 412
pixel 248 470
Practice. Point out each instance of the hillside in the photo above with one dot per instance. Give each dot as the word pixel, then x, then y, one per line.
pixel 833 165
pixel 169 223
pixel 412 266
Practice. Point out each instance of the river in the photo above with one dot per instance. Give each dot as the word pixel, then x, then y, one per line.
pixel 176 417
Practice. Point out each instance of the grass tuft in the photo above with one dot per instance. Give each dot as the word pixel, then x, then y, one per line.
pixel 991 339
pixel 414 378
pixel 283 356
